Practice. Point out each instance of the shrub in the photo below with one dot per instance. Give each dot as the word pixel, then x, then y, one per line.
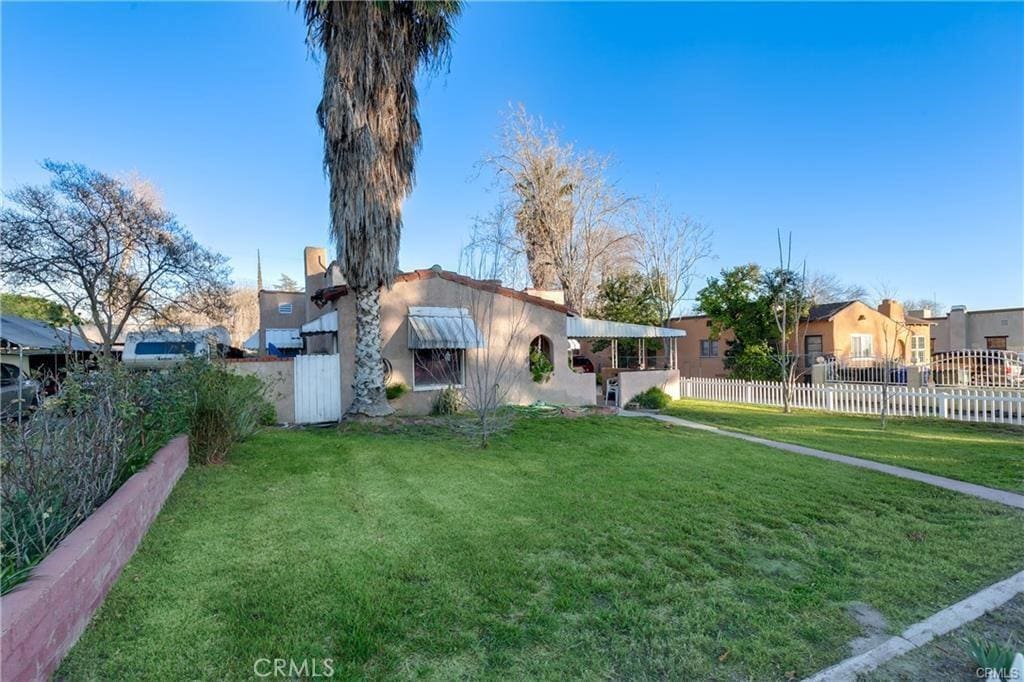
pixel 70 455
pixel 540 367
pixel 396 391
pixel 226 408
pixel 448 401
pixel 75 451
pixel 653 399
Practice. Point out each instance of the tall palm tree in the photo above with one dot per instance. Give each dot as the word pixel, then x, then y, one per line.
pixel 371 135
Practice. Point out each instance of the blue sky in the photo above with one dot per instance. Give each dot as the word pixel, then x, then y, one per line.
pixel 887 137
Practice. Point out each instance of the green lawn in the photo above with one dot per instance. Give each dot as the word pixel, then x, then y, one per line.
pixel 595 547
pixel 986 454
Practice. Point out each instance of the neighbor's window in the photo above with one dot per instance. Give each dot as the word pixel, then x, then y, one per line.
pixel 861 346
pixel 708 348
pixel 812 349
pixel 995 342
pixel 165 348
pixel 284 308
pixel 437 368
pixel 918 355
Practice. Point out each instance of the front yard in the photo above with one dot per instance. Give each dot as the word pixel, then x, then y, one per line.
pixel 987 454
pixel 594 547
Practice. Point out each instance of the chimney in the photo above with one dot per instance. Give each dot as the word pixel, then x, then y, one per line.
pixel 315 262
pixel 892 308
pixel 957 321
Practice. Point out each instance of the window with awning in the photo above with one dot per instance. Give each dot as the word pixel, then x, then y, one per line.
pixel 436 328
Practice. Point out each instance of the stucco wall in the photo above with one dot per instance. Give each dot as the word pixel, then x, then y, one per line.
pixel 690 362
pixel 887 334
pixel 270 318
pixel 965 329
pixel 42 619
pixel 279 376
pixel 510 322
pixel 633 382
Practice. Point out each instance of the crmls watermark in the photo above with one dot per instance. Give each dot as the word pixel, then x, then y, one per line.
pixel 291 668
pixel 1010 675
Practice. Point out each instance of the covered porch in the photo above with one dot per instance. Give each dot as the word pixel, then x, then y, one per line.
pixel 619 384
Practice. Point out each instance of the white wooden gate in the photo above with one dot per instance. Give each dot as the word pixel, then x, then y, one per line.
pixel 317 388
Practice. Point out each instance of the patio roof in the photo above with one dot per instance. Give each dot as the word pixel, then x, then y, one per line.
pixel 431 327
pixel 586 328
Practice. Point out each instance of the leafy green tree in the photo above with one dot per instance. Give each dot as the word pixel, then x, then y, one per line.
pixel 744 299
pixel 628 297
pixel 37 308
pixel 738 300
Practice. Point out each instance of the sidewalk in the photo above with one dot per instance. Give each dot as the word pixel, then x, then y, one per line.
pixel 991 494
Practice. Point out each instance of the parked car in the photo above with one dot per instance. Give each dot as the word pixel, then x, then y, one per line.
pixel 18 392
pixel 582 364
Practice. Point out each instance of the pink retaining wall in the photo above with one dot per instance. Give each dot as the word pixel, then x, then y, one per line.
pixel 41 619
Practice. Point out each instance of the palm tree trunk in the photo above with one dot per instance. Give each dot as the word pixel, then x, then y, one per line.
pixel 369 397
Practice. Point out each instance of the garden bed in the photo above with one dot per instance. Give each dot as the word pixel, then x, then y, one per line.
pixel 43 617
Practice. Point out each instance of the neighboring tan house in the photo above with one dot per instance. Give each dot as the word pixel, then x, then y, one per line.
pixel 850 331
pixel 282 313
pixel 961 329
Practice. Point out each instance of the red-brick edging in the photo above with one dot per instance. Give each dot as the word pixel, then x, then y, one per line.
pixel 41 619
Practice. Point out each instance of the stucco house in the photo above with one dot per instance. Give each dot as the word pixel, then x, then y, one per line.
pixel 850 331
pixel 962 329
pixel 440 329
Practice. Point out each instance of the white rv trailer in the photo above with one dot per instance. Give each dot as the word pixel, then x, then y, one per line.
pixel 164 348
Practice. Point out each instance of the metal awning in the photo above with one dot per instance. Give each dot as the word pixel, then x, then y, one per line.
pixel 279 338
pixel 325 324
pixel 35 335
pixel 586 328
pixel 431 327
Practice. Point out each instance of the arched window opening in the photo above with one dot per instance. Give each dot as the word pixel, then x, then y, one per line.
pixel 542 363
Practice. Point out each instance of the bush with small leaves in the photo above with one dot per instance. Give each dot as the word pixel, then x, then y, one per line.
pixel 652 399
pixel 447 402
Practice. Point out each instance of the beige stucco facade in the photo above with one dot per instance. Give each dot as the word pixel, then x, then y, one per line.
pixel 964 329
pixel 275 313
pixel 278 375
pixel 504 321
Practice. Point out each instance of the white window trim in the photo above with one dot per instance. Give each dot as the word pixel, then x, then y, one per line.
pixel 918 346
pixel 440 387
pixel 870 344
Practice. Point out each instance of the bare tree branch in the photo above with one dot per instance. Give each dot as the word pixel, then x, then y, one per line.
pixel 108 254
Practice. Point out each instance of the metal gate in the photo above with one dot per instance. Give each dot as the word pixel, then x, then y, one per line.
pixel 317 388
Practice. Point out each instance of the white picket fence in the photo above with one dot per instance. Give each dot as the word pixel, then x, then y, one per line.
pixel 993 405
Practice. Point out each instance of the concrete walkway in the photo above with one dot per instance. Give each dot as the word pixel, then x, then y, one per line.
pixel 980 491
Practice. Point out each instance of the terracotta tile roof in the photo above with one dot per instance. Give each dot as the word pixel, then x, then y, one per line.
pixel 324 296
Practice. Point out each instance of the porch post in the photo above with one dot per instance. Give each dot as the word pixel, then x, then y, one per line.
pixel 643 353
pixel 615 353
